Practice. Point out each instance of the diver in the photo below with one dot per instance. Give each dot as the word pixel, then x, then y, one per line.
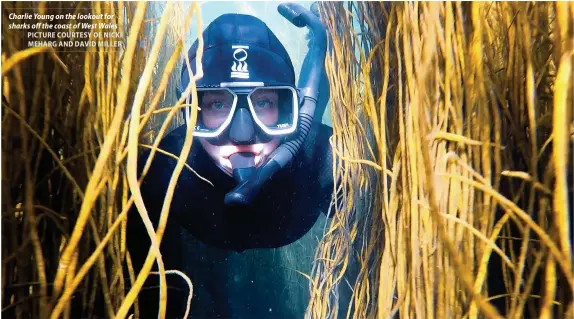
pixel 258 138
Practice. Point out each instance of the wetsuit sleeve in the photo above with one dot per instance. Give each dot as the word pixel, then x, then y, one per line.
pixel 153 189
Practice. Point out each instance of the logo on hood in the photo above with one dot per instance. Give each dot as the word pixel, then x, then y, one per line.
pixel 239 67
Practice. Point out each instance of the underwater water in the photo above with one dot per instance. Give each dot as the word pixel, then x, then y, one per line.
pixel 257 283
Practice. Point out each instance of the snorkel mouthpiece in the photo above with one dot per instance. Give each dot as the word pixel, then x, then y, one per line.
pixel 243 165
pixel 250 184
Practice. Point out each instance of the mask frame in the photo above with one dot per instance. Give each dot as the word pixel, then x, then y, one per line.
pixel 246 88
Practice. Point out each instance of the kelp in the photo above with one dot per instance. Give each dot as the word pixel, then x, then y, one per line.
pixel 72 121
pixel 452 133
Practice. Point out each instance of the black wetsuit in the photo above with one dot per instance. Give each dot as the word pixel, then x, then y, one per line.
pixel 285 210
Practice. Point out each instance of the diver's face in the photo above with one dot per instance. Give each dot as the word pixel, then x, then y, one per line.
pixel 215 108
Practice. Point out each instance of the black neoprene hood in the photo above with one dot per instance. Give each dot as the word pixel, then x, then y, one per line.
pixel 240 48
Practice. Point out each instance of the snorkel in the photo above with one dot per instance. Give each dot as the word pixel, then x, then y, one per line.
pixel 250 179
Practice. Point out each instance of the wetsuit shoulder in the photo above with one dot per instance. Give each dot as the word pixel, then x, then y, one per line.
pixel 162 163
pixel 322 144
pixel 322 163
pixel 172 142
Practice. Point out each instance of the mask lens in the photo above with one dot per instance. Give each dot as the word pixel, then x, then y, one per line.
pixel 216 106
pixel 274 109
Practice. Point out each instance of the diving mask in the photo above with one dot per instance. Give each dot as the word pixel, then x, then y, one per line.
pixel 274 108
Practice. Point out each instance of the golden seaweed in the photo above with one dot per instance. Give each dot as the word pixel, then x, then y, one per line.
pixel 452 121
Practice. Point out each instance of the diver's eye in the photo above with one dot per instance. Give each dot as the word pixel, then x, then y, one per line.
pixel 218 106
pixel 264 104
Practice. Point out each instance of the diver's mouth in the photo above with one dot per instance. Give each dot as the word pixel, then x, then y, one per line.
pixel 227 163
pixel 228 150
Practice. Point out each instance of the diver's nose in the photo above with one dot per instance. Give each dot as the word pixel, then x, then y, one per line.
pixel 242 130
